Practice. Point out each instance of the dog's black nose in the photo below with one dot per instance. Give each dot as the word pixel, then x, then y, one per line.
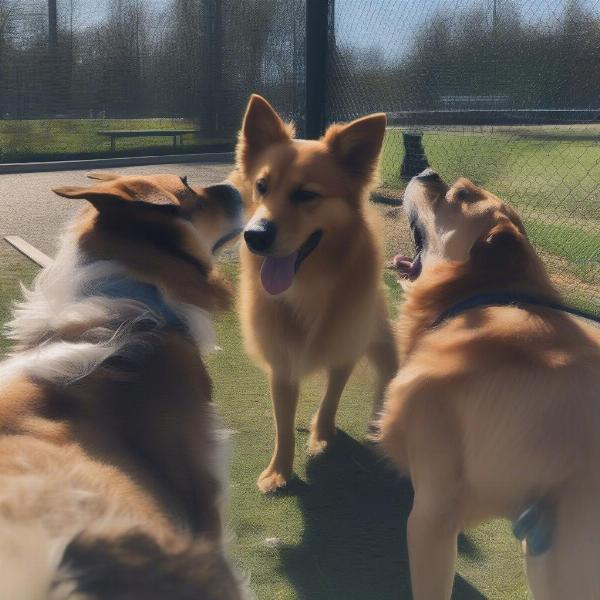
pixel 427 175
pixel 260 236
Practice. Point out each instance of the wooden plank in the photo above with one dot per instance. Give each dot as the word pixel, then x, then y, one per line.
pixel 32 253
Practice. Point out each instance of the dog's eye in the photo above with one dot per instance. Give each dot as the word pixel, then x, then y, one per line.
pixel 261 186
pixel 300 196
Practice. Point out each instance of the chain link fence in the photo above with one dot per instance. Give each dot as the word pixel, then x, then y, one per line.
pixel 70 69
pixel 505 92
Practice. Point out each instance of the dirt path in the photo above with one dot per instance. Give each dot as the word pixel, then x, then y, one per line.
pixel 29 209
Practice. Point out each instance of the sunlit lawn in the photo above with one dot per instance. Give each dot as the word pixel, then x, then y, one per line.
pixel 340 530
pixel 79 138
pixel 550 174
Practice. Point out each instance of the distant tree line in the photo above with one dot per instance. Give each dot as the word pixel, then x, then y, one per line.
pixel 200 59
pixel 479 58
pixel 189 58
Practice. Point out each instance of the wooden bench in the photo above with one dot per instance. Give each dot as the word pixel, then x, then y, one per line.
pixel 124 133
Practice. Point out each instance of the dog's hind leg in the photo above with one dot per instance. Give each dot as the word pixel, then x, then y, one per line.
pixel 432 553
pixel 383 355
pixel 436 517
pixel 322 428
pixel 284 394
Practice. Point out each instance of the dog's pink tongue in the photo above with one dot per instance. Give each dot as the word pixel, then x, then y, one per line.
pixel 277 274
pixel 402 264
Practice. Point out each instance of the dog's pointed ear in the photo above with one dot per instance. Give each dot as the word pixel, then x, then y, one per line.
pixel 125 191
pixel 102 176
pixel 357 144
pixel 261 127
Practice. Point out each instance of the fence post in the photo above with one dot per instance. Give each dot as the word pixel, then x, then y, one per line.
pixel 52 24
pixel 51 74
pixel 415 159
pixel 319 26
pixel 212 125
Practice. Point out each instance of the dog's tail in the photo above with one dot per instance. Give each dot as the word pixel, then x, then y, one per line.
pixel 571 566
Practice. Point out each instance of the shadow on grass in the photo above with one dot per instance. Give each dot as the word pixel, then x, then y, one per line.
pixel 355 510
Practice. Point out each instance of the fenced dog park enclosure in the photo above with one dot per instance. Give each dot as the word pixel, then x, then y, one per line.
pixel 506 92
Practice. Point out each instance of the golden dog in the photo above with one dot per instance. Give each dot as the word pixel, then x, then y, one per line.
pixel 311 293
pixel 111 465
pixel 497 408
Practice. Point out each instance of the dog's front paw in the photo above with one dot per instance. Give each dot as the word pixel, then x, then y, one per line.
pixel 320 438
pixel 271 480
pixel 317 446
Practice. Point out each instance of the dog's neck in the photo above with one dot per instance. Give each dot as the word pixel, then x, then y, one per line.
pixel 445 284
pixel 123 287
pixel 80 312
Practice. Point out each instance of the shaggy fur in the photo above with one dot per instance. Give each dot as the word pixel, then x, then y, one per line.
pixel 334 312
pixel 497 408
pixel 112 460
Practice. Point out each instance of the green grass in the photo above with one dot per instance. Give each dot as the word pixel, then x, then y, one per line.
pixel 339 532
pixel 575 245
pixel 78 138
pixel 551 175
pixel 15 269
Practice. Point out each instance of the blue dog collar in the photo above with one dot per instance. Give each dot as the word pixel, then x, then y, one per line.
pixel 507 299
pixel 147 294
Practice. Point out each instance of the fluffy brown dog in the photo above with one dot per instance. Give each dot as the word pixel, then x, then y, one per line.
pixel 311 267
pixel 497 407
pixel 111 466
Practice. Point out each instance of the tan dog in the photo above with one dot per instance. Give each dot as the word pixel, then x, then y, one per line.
pixel 311 293
pixel 111 463
pixel 497 407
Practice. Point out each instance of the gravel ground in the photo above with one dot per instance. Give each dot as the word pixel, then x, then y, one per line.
pixel 29 209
